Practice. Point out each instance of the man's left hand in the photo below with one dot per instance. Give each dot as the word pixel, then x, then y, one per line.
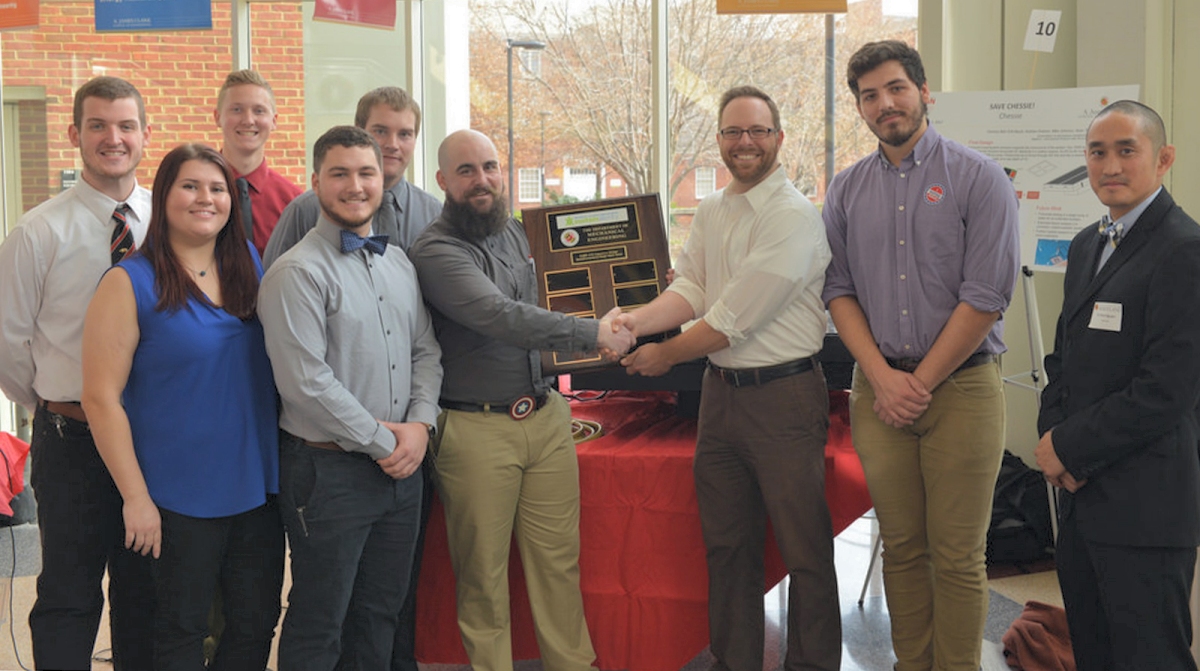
pixel 412 438
pixel 1052 467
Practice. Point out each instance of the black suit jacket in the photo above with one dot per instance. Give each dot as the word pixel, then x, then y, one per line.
pixel 1124 405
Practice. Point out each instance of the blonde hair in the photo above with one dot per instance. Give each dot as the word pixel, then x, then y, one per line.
pixel 242 77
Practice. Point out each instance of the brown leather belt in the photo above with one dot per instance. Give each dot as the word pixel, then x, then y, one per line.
pixel 68 409
pixel 976 359
pixel 327 445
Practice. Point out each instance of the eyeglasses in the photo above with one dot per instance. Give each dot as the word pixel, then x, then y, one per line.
pixel 754 133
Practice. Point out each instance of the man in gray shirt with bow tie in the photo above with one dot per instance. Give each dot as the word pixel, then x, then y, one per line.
pixel 358 369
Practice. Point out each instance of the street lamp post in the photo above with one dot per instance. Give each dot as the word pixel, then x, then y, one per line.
pixel 542 179
pixel 514 44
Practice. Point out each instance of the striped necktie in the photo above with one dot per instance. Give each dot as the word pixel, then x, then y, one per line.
pixel 122 244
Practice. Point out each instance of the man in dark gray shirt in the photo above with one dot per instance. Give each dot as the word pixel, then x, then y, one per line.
pixel 393 118
pixel 506 459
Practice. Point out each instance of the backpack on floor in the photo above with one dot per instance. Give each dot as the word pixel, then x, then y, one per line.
pixel 1020 530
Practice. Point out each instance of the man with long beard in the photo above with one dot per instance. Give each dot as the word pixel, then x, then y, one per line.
pixel 356 364
pixel 506 458
pixel 924 240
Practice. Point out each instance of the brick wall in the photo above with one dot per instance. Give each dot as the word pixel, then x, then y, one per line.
pixel 177 72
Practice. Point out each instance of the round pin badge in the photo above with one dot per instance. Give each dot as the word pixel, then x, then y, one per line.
pixel 522 408
pixel 934 194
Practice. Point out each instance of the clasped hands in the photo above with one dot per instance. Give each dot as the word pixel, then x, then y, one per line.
pixel 1052 467
pixel 615 336
pixel 900 397
pixel 412 439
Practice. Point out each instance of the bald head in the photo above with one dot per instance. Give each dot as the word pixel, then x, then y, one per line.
pixel 462 142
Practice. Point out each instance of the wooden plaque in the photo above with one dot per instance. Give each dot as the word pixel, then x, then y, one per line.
pixel 591 257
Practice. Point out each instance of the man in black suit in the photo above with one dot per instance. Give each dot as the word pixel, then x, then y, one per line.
pixel 1119 416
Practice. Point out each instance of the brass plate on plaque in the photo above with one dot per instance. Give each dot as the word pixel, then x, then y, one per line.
pixel 593 257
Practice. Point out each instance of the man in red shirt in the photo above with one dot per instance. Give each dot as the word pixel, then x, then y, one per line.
pixel 246 115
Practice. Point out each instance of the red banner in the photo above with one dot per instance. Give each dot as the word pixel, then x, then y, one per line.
pixel 377 13
pixel 16 14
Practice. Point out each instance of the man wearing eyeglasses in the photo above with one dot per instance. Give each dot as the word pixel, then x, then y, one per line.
pixel 751 276
pixel 925 254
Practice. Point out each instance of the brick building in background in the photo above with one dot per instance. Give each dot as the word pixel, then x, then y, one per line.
pixel 177 72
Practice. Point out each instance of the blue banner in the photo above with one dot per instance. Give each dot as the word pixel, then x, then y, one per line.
pixel 124 15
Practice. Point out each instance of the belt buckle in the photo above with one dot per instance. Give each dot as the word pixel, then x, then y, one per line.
pixel 522 407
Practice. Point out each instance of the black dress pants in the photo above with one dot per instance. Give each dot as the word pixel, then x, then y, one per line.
pixel 83 533
pixel 1127 607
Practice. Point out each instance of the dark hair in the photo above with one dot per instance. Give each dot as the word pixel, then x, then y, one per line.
pixel 238 276
pixel 749 92
pixel 1149 120
pixel 110 89
pixel 394 97
pixel 873 54
pixel 343 136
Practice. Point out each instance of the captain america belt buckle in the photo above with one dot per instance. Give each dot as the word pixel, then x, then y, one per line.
pixel 522 407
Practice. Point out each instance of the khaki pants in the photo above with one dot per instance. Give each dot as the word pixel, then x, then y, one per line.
pixel 497 475
pixel 932 485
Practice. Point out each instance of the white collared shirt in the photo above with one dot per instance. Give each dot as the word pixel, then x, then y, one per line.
pixel 753 268
pixel 49 268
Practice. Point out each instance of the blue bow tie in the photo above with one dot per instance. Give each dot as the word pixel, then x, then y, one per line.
pixel 1111 229
pixel 352 243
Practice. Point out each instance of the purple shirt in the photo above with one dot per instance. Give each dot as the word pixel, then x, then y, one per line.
pixel 914 241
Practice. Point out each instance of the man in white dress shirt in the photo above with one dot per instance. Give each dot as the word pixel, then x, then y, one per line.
pixel 49 267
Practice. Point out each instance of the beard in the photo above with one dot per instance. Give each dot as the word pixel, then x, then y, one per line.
pixel 343 221
pixel 473 223
pixel 897 136
pixel 755 173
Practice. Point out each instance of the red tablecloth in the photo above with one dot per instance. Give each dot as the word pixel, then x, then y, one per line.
pixel 642 570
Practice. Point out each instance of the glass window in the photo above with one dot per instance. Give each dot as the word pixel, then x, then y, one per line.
pixel 529 185
pixel 586 115
pixel 706 181
pixel 531 63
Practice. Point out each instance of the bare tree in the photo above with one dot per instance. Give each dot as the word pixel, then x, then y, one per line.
pixel 595 79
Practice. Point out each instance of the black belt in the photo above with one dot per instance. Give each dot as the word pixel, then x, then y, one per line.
pixel 744 377
pixel 976 359
pixel 518 409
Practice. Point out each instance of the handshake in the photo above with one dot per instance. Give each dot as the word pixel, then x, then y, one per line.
pixel 615 337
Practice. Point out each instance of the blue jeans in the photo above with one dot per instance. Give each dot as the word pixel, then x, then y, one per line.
pixel 352 530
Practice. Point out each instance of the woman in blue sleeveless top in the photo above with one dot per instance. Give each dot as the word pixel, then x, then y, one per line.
pixel 181 401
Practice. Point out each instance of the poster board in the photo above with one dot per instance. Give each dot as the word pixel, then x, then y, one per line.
pixel 1038 137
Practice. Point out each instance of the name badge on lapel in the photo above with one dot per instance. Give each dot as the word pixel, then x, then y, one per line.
pixel 1106 317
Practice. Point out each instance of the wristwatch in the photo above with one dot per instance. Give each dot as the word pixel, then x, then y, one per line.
pixel 432 428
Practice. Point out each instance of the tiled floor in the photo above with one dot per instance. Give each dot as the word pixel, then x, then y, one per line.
pixel 865 630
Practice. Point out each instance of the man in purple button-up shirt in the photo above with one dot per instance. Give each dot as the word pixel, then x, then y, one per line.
pixel 925 256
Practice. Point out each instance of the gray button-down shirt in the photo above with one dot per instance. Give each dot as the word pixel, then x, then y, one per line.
pixel 414 210
pixel 350 342
pixel 483 296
